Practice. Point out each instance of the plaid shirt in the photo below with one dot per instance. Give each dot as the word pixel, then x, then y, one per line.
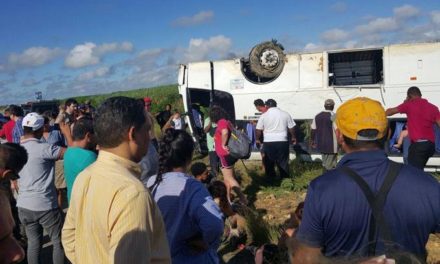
pixel 17 132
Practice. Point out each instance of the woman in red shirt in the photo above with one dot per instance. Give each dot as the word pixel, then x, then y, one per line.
pixel 222 133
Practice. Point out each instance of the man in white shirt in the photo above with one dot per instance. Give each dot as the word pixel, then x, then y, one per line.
pixel 275 125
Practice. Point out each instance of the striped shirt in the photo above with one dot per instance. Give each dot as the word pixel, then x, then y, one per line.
pixel 112 217
pixel 17 132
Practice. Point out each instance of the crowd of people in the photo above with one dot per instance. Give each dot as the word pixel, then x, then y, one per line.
pixel 134 194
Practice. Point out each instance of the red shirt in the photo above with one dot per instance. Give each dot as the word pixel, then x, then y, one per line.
pixel 7 130
pixel 221 124
pixel 422 116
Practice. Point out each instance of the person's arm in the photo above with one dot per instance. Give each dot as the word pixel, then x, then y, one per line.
pixel 206 214
pixel 225 138
pixel 312 137
pixel 392 111
pixel 168 124
pixel 259 129
pixel 309 238
pixel 258 136
pixel 292 135
pixel 10 250
pixel 68 231
pixel 312 133
pixel 301 253
pixel 207 127
pixel 67 133
pixel 402 108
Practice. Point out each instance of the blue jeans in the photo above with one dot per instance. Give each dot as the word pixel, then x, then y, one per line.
pixel 34 222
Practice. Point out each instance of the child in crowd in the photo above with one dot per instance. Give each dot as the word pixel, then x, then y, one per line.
pixel 200 172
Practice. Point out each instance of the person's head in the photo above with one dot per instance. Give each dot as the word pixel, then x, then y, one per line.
pixel 259 105
pixel 7 112
pixel 147 103
pixel 13 157
pixel 71 105
pixel 33 125
pixel 16 111
pixel 175 150
pixel 361 125
pixel 83 133
pixel 329 104
pixel 271 103
pixel 200 171
pixel 121 126
pixel 176 113
pixel 217 113
pixel 168 107
pixel 413 92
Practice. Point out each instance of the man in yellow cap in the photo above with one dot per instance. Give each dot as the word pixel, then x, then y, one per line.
pixel 353 209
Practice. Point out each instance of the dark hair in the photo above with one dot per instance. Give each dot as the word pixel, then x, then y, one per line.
pixel 414 91
pixel 258 102
pixel 217 113
pixel 217 189
pixel 168 105
pixel 368 144
pixel 70 101
pixel 198 168
pixel 81 128
pixel 16 110
pixel 271 103
pixel 114 117
pixel 13 156
pixel 175 150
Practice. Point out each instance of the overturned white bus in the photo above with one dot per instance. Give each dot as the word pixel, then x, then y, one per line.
pixel 300 83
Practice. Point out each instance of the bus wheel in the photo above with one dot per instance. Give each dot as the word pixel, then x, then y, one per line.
pixel 267 59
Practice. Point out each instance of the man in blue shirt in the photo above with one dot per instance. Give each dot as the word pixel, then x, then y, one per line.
pixel 81 154
pixel 337 216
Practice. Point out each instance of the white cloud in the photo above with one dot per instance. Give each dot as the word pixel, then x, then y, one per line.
pixel 334 35
pixel 217 47
pixel 377 25
pixel 81 55
pixel 199 18
pixel 90 54
pixel 406 11
pixel 312 47
pixel 339 7
pixel 97 73
pixel 32 57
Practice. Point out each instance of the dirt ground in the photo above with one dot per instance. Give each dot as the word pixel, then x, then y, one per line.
pixel 279 207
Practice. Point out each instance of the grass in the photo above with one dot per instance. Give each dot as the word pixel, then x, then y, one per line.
pixel 161 95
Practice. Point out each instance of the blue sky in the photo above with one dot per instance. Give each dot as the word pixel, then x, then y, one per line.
pixel 70 48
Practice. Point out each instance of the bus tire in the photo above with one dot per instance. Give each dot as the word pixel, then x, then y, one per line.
pixel 267 59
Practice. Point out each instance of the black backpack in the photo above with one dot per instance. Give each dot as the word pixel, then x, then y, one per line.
pixel 239 144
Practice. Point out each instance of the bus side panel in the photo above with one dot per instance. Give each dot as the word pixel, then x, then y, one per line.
pixel 412 65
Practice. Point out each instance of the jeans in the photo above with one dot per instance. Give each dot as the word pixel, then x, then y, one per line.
pixel 276 153
pixel 34 222
pixel 420 152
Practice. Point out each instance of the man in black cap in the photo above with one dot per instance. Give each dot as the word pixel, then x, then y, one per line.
pixel 275 124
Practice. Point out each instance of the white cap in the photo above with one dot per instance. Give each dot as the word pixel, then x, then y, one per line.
pixel 33 120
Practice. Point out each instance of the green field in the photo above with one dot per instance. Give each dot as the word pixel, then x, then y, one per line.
pixel 161 96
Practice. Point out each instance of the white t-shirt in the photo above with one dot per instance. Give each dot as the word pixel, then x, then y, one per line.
pixel 177 123
pixel 275 124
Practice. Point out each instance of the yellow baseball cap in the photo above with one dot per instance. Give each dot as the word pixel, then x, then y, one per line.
pixel 361 113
